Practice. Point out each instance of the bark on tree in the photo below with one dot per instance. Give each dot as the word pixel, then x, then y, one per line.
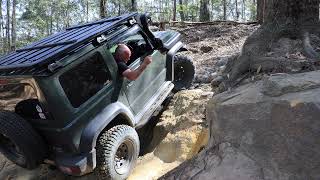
pixel 119 8
pixel 52 11
pixel 224 9
pixel 243 10
pixel 14 24
pixel 67 15
pixel 8 39
pixel 295 19
pixel 186 12
pixel 174 18
pixel 260 11
pixel 102 8
pixel 134 5
pixel 1 29
pixel 204 10
pixel 87 10
pixel 237 12
pixel 181 11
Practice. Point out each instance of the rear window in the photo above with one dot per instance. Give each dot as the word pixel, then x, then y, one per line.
pixel 21 99
pixel 85 80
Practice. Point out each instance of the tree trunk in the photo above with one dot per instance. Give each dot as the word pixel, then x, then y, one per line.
pixel 295 11
pixel 243 10
pixel 174 18
pixel 102 9
pixel 260 11
pixel 14 24
pixel 181 11
pixel 119 8
pixel 224 9
pixel 237 12
pixel 134 6
pixel 67 15
pixel 8 39
pixel 1 29
pixel 51 16
pixel 187 13
pixel 87 10
pixel 204 10
pixel 160 10
pixel 297 21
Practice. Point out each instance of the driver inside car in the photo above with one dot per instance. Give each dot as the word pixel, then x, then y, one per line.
pixel 122 56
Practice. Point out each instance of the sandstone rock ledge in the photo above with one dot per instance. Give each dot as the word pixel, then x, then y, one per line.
pixel 181 133
pixel 265 130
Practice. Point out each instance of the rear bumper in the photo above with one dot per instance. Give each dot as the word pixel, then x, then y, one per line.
pixel 77 165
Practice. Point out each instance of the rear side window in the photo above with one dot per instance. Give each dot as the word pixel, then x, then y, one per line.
pixel 85 80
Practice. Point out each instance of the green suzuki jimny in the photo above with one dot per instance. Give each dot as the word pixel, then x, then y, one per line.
pixel 63 102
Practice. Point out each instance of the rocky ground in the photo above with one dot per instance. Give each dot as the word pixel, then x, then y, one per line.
pixel 182 129
pixel 210 47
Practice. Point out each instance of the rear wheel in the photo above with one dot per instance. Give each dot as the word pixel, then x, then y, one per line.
pixel 117 153
pixel 19 142
pixel 183 72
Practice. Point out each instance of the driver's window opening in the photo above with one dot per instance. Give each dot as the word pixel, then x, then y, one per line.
pixel 136 44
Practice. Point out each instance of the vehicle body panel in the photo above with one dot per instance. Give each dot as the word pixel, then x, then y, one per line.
pixel 141 90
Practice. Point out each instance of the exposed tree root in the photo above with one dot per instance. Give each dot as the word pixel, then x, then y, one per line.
pixel 263 51
pixel 308 49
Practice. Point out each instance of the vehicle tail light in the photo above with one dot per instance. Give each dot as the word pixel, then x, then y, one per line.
pixel 3 81
pixel 70 170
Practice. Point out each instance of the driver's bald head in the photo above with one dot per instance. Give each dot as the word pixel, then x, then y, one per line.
pixel 122 53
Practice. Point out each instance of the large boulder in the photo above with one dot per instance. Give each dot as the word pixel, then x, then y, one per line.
pixel 272 126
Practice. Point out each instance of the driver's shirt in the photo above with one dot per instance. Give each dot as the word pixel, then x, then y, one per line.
pixel 122 67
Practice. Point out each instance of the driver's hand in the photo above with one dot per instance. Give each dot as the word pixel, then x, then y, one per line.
pixel 147 60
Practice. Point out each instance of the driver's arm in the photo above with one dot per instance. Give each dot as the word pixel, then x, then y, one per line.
pixel 134 74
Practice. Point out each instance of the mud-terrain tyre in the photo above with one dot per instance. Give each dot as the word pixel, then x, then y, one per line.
pixel 19 142
pixel 183 72
pixel 117 152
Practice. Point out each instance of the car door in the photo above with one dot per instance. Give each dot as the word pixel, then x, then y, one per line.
pixel 140 91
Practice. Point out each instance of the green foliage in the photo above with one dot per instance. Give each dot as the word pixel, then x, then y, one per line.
pixel 39 18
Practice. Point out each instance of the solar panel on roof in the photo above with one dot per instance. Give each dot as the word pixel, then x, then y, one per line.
pixel 39 54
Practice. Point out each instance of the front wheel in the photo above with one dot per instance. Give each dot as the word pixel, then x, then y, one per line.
pixel 117 153
pixel 183 72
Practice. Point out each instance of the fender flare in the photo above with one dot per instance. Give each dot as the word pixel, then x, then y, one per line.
pixel 90 134
pixel 170 60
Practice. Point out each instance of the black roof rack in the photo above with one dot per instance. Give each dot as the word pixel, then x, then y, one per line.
pixel 35 58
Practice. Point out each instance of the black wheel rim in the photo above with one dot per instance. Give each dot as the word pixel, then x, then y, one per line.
pixel 11 150
pixel 179 73
pixel 123 157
